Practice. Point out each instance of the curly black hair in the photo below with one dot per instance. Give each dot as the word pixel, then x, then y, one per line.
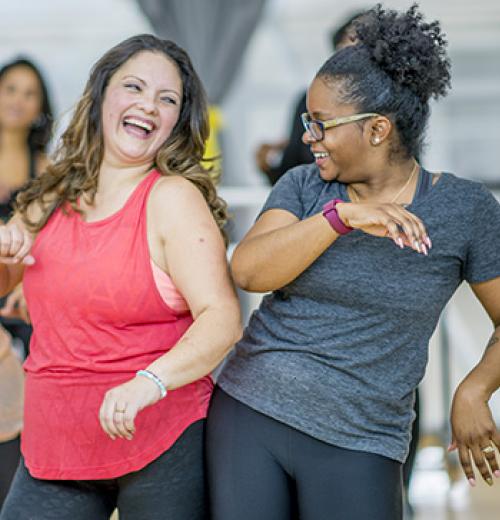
pixel 342 32
pixel 398 64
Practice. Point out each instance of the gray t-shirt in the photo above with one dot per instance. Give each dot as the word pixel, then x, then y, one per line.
pixel 338 352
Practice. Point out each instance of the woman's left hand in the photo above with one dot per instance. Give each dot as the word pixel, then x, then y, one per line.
pixel 122 403
pixel 474 434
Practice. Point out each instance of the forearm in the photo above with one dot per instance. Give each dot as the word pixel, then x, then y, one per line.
pixel 269 261
pixel 7 283
pixel 4 280
pixel 201 348
pixel 485 376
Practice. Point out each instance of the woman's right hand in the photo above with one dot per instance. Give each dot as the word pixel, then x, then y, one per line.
pixel 15 244
pixel 386 220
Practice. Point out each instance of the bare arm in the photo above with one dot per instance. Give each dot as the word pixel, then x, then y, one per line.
pixel 196 261
pixel 8 276
pixel 15 245
pixel 16 241
pixel 193 253
pixel 279 247
pixel 473 427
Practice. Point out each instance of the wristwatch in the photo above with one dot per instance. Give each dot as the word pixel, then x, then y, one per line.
pixel 331 214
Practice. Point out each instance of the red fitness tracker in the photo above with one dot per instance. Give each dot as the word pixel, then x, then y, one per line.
pixel 330 213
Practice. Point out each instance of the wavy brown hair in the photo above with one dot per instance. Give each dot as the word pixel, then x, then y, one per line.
pixel 75 170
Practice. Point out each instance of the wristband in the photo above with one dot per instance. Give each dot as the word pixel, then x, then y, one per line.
pixel 331 214
pixel 153 377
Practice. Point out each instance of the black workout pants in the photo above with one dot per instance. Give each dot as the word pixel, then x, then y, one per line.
pixel 9 461
pixel 261 469
pixel 172 487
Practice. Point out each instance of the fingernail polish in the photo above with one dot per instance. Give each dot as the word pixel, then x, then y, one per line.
pixel 489 481
pixel 424 249
pixel 497 473
pixel 472 482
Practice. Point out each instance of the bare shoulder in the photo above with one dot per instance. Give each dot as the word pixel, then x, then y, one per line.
pixel 175 194
pixel 178 213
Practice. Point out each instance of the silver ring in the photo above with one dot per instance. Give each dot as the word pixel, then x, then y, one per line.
pixel 488 449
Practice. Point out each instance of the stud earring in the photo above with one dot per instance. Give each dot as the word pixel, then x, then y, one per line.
pixel 375 140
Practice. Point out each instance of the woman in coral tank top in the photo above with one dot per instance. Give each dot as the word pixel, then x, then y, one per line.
pixel 120 249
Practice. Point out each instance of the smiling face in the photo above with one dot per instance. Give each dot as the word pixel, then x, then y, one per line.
pixel 342 153
pixel 20 98
pixel 141 106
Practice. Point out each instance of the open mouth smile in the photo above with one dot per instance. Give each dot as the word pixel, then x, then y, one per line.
pixel 138 126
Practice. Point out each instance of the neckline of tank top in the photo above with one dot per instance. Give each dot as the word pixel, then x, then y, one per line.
pixel 117 213
pixel 422 194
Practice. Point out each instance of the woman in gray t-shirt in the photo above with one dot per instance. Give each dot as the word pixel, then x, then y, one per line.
pixel 360 253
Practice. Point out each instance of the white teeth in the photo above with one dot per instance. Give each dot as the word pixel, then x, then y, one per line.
pixel 320 155
pixel 142 124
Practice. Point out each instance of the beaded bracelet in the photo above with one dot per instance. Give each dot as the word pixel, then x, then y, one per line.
pixel 153 377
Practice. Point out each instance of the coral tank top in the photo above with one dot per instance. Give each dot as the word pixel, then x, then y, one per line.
pixel 98 317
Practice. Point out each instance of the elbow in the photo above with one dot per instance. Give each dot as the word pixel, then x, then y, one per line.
pixel 252 281
pixel 238 332
pixel 241 279
pixel 234 326
pixel 238 271
pixel 235 336
pixel 245 275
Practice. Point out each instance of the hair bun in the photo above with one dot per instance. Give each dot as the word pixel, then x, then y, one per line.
pixel 410 51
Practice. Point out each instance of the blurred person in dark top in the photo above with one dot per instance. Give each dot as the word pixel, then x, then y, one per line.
pixel 25 129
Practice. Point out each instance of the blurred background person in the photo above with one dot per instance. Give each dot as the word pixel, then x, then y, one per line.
pixel 25 129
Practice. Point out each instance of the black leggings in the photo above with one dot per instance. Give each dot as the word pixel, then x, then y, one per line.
pixel 172 487
pixel 10 451
pixel 10 454
pixel 415 436
pixel 260 468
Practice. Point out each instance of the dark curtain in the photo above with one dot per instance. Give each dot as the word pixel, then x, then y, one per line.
pixel 215 33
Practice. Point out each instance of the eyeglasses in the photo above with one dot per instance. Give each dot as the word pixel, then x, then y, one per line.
pixel 316 127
